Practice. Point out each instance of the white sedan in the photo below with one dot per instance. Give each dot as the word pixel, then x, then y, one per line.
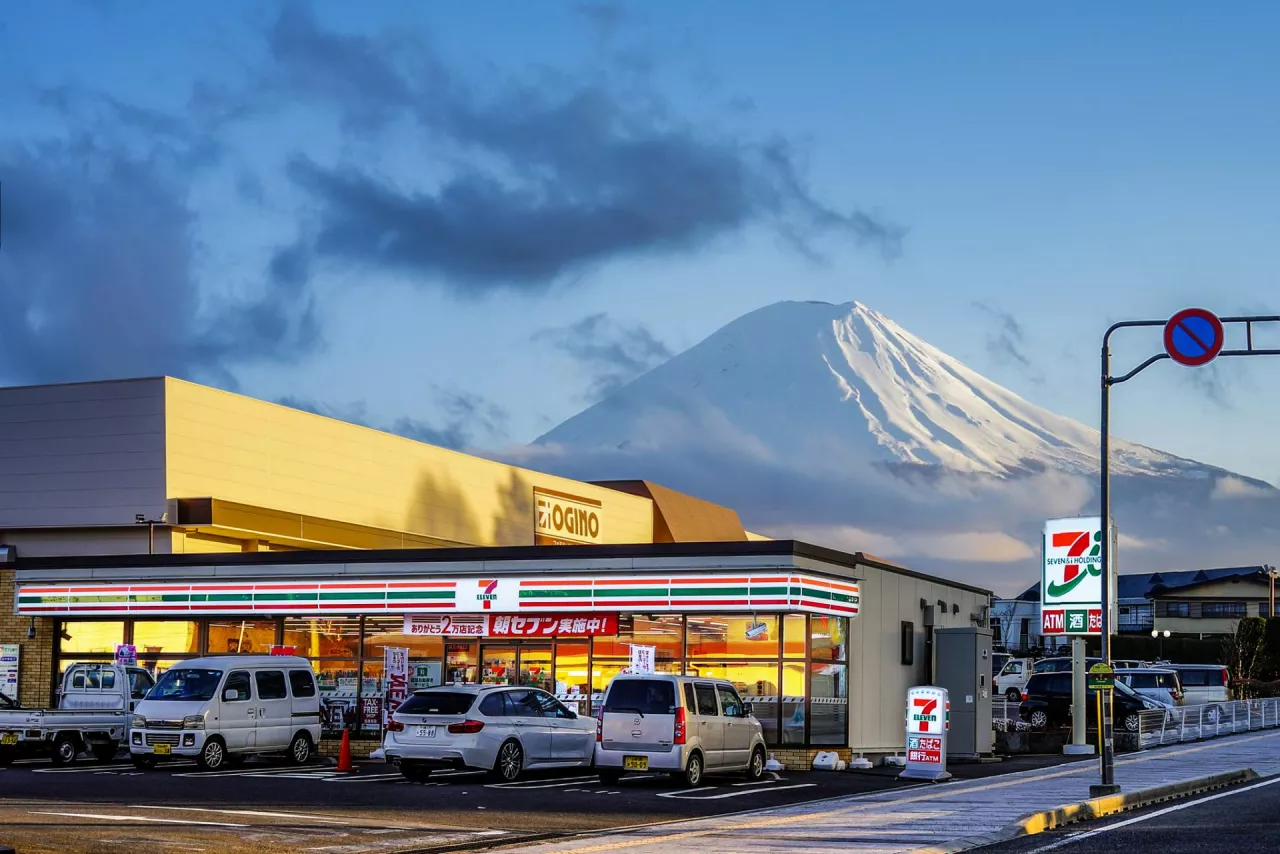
pixel 497 728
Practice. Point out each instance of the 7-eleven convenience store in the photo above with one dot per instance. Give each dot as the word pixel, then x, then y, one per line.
pixel 823 643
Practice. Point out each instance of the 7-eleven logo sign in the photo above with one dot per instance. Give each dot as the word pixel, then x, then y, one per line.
pixel 925 709
pixel 488 593
pixel 1072 561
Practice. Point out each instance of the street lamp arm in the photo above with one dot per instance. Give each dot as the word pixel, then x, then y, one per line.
pixel 1126 377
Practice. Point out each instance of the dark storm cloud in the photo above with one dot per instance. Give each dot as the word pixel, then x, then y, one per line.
pixel 467 418
pixel 96 275
pixel 612 353
pixel 540 181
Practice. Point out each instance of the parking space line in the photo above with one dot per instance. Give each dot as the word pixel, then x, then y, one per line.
pixel 363 778
pixel 693 796
pixel 108 817
pixel 263 813
pixel 245 772
pixel 93 769
pixel 572 781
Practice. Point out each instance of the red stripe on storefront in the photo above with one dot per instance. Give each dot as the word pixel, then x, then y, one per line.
pixel 418 605
pixel 107 589
pixel 717 579
pixel 631 582
pixel 169 607
pixel 755 601
pixel 561 603
pixel 818 582
pixel 829 606
pixel 423 584
pixel 676 601
pixel 368 585
pixel 181 588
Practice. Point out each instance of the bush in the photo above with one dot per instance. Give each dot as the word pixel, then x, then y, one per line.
pixel 1256 689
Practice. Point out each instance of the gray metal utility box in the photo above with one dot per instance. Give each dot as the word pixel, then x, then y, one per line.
pixel 963 666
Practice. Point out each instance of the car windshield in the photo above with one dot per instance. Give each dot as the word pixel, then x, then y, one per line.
pixel 186 683
pixel 647 696
pixel 437 703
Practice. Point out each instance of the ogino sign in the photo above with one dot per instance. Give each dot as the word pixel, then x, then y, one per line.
pixel 1071 578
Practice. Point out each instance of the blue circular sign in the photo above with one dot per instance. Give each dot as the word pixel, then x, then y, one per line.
pixel 1193 337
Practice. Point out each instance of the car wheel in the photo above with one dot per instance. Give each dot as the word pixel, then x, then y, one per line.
pixel 691 777
pixel 1013 695
pixel 65 750
pixel 213 756
pixel 609 777
pixel 105 752
pixel 1132 723
pixel 300 749
pixel 510 762
pixel 414 773
pixel 755 768
pixel 1039 719
pixel 143 762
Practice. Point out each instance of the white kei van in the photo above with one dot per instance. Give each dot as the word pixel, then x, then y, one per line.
pixel 222 708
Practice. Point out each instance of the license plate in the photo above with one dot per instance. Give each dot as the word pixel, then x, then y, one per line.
pixel 426 732
pixel 9 738
pixel 635 763
pixel 163 749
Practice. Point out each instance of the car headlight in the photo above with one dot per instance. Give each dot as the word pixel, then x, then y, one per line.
pixel 193 722
pixel 138 722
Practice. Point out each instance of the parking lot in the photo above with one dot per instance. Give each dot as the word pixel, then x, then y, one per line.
pixel 268 806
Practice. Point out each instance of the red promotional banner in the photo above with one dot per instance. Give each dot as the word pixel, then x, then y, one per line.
pixel 546 626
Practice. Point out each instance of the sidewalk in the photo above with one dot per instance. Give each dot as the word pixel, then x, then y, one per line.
pixel 930 817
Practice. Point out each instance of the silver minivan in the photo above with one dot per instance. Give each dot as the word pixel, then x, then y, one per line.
pixel 687 726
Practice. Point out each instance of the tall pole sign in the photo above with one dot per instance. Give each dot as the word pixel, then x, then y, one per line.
pixel 1193 337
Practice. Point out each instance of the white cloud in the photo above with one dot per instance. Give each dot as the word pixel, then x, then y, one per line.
pixel 964 547
pixel 1229 487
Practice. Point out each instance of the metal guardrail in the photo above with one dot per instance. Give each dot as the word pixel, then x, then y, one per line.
pixel 1157 727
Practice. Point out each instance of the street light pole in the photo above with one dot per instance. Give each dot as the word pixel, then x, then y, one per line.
pixel 141 519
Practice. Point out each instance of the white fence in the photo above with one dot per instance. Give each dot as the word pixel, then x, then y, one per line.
pixel 1191 723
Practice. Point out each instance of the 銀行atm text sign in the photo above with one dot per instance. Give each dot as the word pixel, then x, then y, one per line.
pixel 1071 579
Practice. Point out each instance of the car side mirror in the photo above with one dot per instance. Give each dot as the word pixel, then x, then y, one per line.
pixel 748 711
pixel 231 694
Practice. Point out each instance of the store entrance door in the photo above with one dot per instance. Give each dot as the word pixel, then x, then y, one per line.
pixel 498 664
pixel 535 667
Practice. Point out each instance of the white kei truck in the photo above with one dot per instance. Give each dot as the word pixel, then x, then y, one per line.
pixel 94 709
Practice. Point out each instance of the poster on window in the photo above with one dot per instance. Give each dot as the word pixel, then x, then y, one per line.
pixel 396 673
pixel 370 712
pixel 9 653
pixel 642 658
pixel 126 654
pixel 512 626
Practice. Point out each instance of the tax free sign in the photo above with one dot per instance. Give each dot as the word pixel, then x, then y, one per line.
pixel 1071 580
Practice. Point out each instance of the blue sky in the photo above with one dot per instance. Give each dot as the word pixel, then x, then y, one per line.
pixel 207 190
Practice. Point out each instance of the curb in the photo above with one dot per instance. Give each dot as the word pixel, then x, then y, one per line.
pixel 1095 808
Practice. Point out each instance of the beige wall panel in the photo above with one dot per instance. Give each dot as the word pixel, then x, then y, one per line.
pixel 243 450
pixel 86 454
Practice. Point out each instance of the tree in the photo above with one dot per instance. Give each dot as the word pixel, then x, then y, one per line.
pixel 1244 650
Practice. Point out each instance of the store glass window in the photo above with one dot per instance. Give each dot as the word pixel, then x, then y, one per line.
pixel 603 671
pixel 828 703
pixel 792 704
pixel 461 661
pixel 241 637
pixel 795 636
pixel 535 667
pixel 92 637
pixel 337 681
pixel 426 653
pixel 732 636
pixel 324 637
pixel 573 683
pixel 828 638
pixel 166 637
pixel 663 633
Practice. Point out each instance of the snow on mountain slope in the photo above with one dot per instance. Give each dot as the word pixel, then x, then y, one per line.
pixel 814 383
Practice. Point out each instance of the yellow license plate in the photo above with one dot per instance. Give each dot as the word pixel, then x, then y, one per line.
pixel 635 763
pixel 9 738
pixel 163 749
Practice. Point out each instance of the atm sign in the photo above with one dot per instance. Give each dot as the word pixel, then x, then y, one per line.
pixel 928 750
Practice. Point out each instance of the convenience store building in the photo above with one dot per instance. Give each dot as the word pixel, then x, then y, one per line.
pixel 279 532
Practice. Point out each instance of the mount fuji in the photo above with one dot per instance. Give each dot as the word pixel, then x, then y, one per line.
pixel 832 423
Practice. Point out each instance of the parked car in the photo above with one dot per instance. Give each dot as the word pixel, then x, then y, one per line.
pixel 1012 678
pixel 1158 684
pixel 1047 703
pixel 1130 664
pixel 223 708
pixel 94 706
pixel 495 728
pixel 1203 683
pixel 684 725
pixel 1061 664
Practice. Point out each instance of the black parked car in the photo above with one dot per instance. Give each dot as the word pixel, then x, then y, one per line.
pixel 1047 703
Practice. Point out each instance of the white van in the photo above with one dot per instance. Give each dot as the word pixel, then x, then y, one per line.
pixel 222 708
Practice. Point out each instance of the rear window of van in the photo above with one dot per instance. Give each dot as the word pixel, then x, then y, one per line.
pixel 1210 678
pixel 649 697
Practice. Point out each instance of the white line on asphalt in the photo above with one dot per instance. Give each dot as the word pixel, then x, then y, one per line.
pixel 760 782
pixel 362 778
pixel 570 781
pixel 105 817
pixel 263 813
pixel 84 769
pixel 246 772
pixel 691 796
pixel 1088 833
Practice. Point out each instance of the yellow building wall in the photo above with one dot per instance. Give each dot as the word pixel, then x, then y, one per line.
pixel 239 449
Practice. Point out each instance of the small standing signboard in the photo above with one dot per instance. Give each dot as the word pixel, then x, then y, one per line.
pixel 126 654
pixel 928 720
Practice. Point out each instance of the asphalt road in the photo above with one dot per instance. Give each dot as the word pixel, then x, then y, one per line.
pixel 1241 820
pixel 266 806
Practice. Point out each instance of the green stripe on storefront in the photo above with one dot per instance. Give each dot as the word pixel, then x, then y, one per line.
pixel 708 591
pixel 768 591
pixel 159 597
pixel 545 593
pixel 284 597
pixel 353 594
pixel 661 592
pixel 222 597
pixel 420 594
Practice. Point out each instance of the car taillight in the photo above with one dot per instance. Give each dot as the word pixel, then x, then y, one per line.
pixel 1226 677
pixel 600 724
pixel 679 735
pixel 466 727
pixel 1024 696
pixel 394 725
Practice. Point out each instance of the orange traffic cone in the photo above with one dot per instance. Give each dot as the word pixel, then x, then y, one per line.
pixel 344 755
